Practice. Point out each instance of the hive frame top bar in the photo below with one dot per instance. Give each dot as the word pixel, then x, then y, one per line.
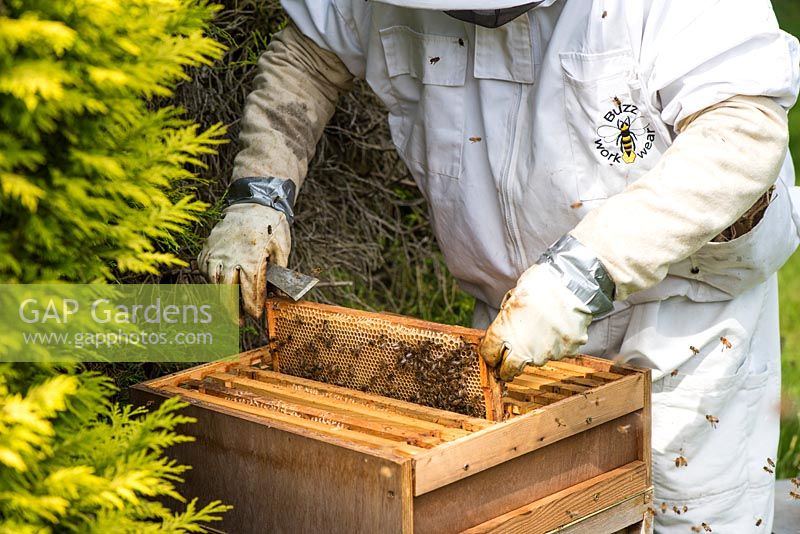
pixel 412 322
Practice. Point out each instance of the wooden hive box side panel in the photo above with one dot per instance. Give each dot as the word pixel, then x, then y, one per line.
pixel 280 481
pixel 603 504
pixel 502 442
pixel 536 475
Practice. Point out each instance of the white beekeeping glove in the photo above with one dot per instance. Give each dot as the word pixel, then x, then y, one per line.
pixel 725 158
pixel 239 248
pixel 539 320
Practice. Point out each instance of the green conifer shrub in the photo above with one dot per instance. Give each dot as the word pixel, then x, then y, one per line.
pixel 86 165
pixel 71 461
pixel 93 183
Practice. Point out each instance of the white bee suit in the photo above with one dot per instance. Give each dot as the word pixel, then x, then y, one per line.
pixel 515 134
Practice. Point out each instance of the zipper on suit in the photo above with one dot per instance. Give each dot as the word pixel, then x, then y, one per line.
pixel 505 193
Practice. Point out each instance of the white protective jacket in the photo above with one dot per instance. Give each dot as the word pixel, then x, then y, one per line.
pixel 502 128
pixel 510 135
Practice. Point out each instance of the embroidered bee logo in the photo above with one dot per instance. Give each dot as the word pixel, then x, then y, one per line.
pixel 625 136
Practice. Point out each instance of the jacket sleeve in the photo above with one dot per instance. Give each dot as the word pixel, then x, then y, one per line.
pixel 700 53
pixel 339 26
pixel 723 75
pixel 723 160
pixel 295 94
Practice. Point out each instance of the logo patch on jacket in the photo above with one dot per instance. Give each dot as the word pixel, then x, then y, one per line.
pixel 623 136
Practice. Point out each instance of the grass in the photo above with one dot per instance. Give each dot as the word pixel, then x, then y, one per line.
pixel 788 12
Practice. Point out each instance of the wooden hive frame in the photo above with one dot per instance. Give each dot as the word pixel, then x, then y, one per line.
pixel 286 319
pixel 298 455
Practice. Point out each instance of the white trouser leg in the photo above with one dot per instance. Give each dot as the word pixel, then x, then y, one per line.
pixel 735 381
pixel 723 484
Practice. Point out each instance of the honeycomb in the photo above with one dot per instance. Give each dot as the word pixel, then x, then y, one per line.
pixel 386 355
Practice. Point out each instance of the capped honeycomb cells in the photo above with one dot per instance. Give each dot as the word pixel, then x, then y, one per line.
pixel 377 355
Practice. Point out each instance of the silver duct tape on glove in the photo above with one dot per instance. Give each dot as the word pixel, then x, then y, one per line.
pixel 582 273
pixel 268 191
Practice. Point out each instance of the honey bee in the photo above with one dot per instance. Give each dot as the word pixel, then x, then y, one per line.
pixel 794 495
pixel 664 508
pixel 685 508
pixel 796 481
pixel 674 373
pixel 676 510
pixel 623 429
pixel 758 523
pixel 577 204
pixel 604 15
pixel 770 462
pixel 768 470
pixel 560 423
pixel 475 139
pixel 706 527
pixel 725 343
pixel 680 461
pixel 434 60
pixel 696 529
pixel 712 420
pixel 624 134
pixel 694 350
pixel 652 511
pixel 460 41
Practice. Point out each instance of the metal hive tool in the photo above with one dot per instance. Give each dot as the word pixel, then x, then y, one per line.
pixel 400 357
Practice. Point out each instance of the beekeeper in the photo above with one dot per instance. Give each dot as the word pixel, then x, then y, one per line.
pixel 603 175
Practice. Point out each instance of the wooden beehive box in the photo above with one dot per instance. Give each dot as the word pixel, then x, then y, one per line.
pixel 568 449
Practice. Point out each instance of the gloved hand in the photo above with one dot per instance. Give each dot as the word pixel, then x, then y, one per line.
pixel 239 248
pixel 539 320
